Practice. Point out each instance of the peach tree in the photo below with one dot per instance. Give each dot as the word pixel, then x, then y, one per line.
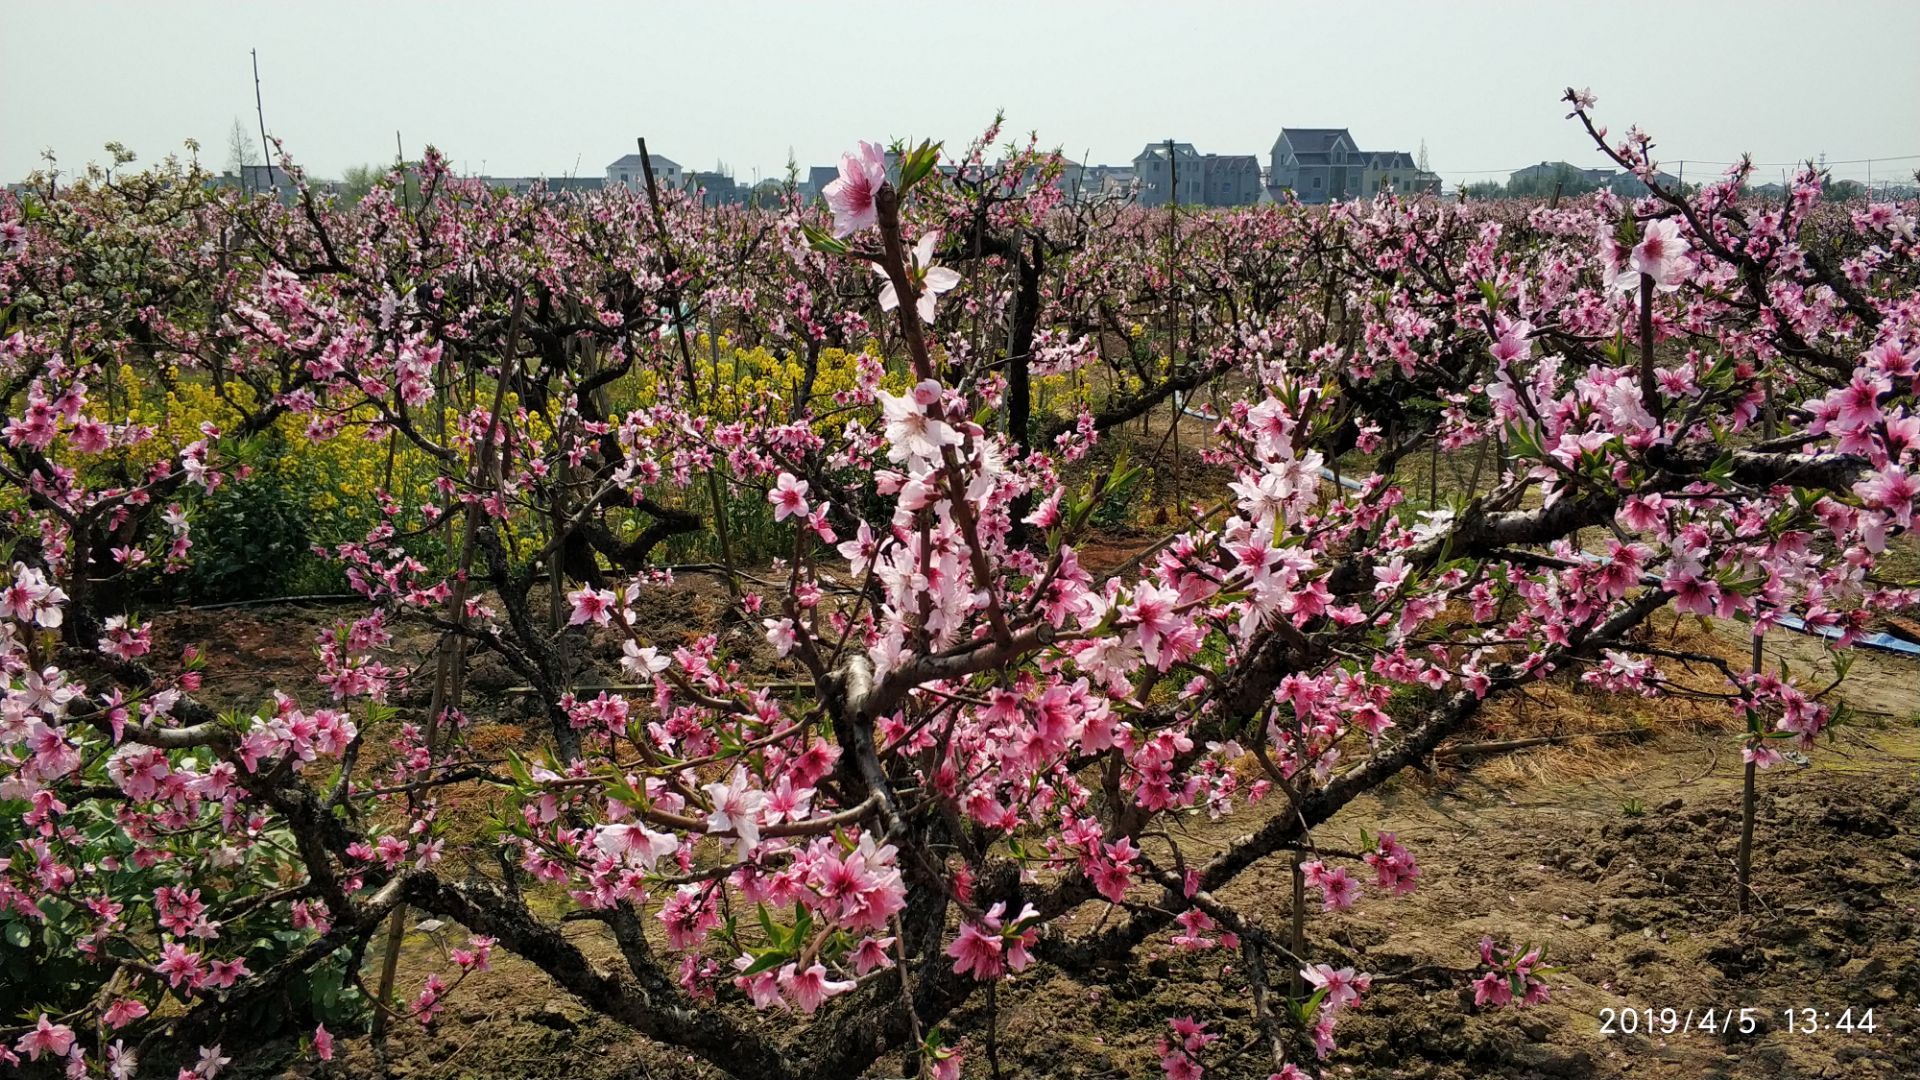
pixel 929 745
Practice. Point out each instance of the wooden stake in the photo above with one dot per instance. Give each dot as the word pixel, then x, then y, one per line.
pixel 1749 800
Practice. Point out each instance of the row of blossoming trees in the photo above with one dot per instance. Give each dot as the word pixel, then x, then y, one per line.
pixel 1694 402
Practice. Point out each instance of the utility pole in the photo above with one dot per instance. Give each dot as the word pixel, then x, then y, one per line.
pixel 260 111
pixel 1173 309
pixel 400 163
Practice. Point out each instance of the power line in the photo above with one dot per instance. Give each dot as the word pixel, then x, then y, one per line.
pixel 1696 161
pixel 1802 161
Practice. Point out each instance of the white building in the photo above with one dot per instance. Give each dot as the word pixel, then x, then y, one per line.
pixel 629 173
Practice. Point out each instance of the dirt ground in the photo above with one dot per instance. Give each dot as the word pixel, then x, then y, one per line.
pixel 1625 876
pixel 1637 908
pixel 1616 857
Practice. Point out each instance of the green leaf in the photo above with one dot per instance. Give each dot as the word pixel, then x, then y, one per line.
pixel 1521 442
pixel 1305 1010
pixel 1721 471
pixel 821 241
pixel 1720 375
pixel 767 960
pixel 1843 663
pixel 918 163
pixel 517 766
pixel 935 1044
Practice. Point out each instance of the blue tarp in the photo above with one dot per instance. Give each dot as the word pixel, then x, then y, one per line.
pixel 1872 641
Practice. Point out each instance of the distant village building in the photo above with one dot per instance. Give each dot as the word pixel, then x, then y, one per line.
pixel 630 173
pixel 1548 173
pixel 1169 172
pixel 1544 178
pixel 1396 171
pixel 1088 183
pixel 552 185
pixel 716 188
pixel 270 179
pixel 264 178
pixel 1628 186
pixel 1231 179
pixel 1175 170
pixel 512 185
pixel 1315 164
pixel 818 177
pixel 1115 180
pixel 575 185
pixel 1323 165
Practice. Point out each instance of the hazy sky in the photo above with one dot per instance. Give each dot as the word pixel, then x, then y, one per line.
pixel 560 87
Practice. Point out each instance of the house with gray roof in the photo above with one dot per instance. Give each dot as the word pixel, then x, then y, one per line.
pixel 573 185
pixel 272 180
pixel 551 185
pixel 717 188
pixel 1169 170
pixel 1231 179
pixel 1323 165
pixel 1628 186
pixel 1541 179
pixel 818 177
pixel 628 172
pixel 1087 183
pixel 1319 165
pixel 1398 172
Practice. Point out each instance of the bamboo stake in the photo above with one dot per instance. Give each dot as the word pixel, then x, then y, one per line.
pixel 1749 781
pixel 1298 940
pixel 449 669
pixel 720 530
pixel 1749 800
